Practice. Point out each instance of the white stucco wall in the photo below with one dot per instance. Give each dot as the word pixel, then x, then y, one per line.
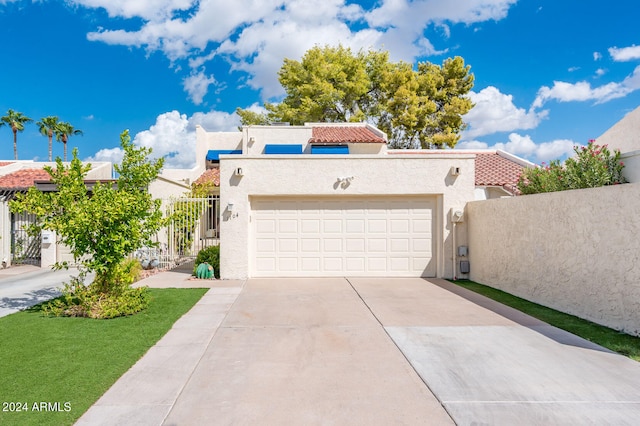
pixel 301 175
pixel 631 169
pixel 212 140
pixel 624 135
pixel 5 237
pixel 574 251
pixel 279 135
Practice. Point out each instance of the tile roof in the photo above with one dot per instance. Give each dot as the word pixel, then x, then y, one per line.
pixel 23 179
pixel 338 134
pixel 492 169
pixel 5 163
pixel 211 175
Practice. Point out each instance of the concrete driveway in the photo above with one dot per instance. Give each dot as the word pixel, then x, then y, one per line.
pixel 368 351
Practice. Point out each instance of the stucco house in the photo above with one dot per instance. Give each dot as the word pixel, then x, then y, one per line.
pixel 327 199
pixel 16 246
pixel 625 136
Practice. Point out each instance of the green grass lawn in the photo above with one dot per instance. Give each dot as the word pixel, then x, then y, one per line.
pixel 614 340
pixel 68 363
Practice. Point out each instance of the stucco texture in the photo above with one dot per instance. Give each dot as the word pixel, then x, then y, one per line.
pixel 574 251
pixel 317 175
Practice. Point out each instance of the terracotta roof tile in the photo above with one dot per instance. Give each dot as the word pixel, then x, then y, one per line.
pixel 23 179
pixel 211 175
pixel 341 134
pixel 494 170
pixel 5 163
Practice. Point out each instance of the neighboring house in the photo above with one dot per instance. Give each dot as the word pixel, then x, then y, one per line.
pixel 332 200
pixel 16 246
pixel 625 136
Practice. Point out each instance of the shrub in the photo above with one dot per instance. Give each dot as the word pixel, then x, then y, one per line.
pixel 210 255
pixel 78 300
pixel 592 166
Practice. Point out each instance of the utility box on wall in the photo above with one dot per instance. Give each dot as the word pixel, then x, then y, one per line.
pixel 465 268
pixel 47 237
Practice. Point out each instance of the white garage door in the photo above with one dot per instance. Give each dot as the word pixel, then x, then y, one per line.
pixel 343 237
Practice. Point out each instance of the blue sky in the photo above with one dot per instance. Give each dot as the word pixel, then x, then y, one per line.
pixel 549 74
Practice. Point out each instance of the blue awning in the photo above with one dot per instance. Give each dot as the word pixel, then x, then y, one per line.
pixel 214 154
pixel 329 149
pixel 282 149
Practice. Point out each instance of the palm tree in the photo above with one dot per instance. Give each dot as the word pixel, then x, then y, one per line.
pixel 63 131
pixel 16 120
pixel 48 127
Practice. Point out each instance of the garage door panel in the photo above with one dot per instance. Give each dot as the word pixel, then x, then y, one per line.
pixel 377 226
pixel 288 245
pixel 310 226
pixel 332 245
pixel 400 245
pixel 332 226
pixel 311 264
pixel 310 245
pixel 265 226
pixel 355 264
pixel 265 245
pixel 333 264
pixel 377 245
pixel 359 236
pixel 377 264
pixel 266 265
pixel 421 225
pixel 399 225
pixel 356 245
pixel 399 264
pixel 288 226
pixel 355 226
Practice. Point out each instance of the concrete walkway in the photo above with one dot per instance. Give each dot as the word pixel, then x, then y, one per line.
pixel 366 351
pixel 23 286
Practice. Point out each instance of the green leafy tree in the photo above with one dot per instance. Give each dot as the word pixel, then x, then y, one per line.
pixel 102 226
pixel 592 166
pixel 48 126
pixel 63 131
pixel 16 121
pixel 417 108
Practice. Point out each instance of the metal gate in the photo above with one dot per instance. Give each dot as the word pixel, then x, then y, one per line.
pixel 26 248
pixel 193 225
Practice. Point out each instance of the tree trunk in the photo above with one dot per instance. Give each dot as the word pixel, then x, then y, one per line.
pixel 64 144
pixel 15 144
pixel 50 145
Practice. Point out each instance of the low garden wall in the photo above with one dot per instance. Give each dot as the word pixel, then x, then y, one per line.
pixel 575 251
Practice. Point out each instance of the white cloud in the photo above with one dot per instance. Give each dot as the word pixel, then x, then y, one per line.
pixel 625 53
pixel 472 145
pixel 524 146
pixel 114 155
pixel 173 137
pixel 495 112
pixel 582 91
pixel 197 84
pixel 558 148
pixel 597 56
pixel 148 9
pixel 256 35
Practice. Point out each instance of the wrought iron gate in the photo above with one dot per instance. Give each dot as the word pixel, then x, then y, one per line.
pixel 26 249
pixel 193 225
